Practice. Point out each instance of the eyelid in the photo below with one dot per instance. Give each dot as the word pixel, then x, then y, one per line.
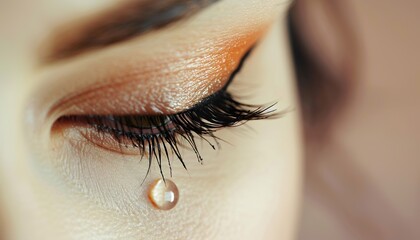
pixel 156 84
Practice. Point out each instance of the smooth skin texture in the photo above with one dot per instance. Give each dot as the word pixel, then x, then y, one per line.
pixel 57 185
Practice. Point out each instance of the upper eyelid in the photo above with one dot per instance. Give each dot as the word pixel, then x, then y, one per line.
pixel 147 54
pixel 100 88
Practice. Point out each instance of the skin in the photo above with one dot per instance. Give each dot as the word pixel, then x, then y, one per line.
pixel 55 184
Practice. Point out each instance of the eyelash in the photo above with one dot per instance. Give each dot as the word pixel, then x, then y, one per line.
pixel 160 135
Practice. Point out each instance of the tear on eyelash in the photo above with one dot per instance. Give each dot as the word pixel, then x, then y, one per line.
pixel 162 135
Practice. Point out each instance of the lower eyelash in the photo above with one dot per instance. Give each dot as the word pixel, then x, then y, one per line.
pixel 161 137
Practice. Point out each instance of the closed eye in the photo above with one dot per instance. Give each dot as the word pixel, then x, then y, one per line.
pixel 159 137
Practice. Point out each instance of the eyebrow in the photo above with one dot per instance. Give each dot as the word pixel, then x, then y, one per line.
pixel 120 24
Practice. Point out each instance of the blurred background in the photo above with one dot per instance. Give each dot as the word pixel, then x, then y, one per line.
pixel 359 77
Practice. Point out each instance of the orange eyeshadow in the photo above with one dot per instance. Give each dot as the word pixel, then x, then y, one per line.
pixel 163 84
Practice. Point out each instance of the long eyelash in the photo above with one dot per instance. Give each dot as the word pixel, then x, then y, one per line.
pixel 213 113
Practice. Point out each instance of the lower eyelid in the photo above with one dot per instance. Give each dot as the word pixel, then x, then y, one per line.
pixel 108 142
pixel 110 132
pixel 80 134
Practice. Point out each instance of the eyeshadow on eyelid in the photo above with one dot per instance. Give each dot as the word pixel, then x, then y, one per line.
pixel 162 87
